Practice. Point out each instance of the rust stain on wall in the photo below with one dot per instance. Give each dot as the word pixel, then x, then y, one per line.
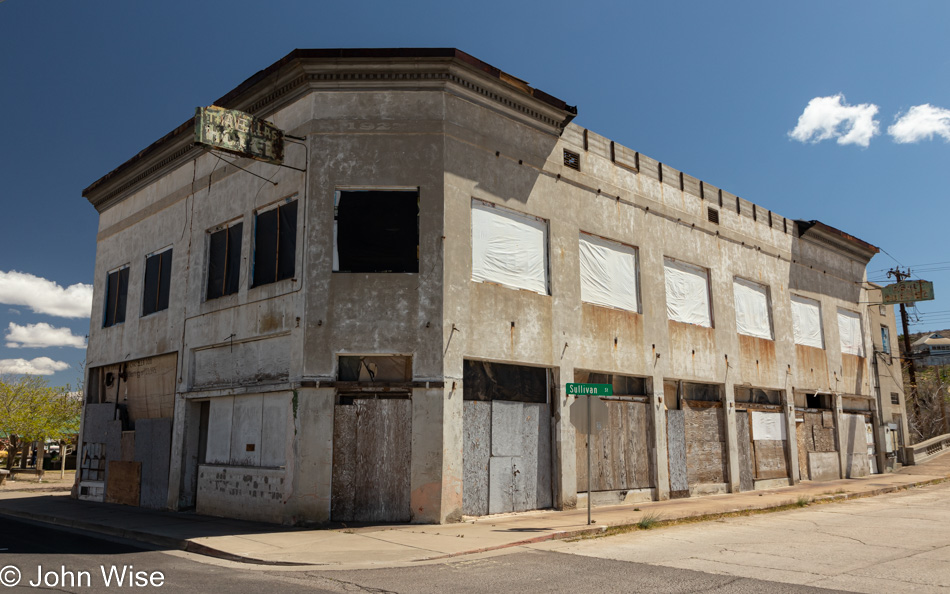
pixel 757 360
pixel 852 373
pixel 811 368
pixel 601 325
pixel 693 351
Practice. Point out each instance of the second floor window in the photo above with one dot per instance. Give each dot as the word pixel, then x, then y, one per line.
pixel 158 278
pixel 117 289
pixel 275 244
pixel 224 261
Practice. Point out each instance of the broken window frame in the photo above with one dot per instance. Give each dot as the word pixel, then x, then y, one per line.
pixel 389 268
pixel 156 284
pixel 684 389
pixel 480 367
pixel 117 293
pixel 233 234
pixel 350 386
pixel 624 386
pixel 747 397
pixel 284 249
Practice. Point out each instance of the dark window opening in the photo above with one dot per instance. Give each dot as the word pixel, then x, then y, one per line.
pixel 117 290
pixel 818 401
pixel 499 381
pixel 706 392
pixel 158 277
pixel 623 385
pixel 224 261
pixel 377 231
pixel 275 244
pixel 757 396
pixel 895 398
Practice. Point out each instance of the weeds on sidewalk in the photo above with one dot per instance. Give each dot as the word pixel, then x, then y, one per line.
pixel 803 501
pixel 648 521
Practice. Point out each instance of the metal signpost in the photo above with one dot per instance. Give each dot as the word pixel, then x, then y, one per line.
pixel 581 417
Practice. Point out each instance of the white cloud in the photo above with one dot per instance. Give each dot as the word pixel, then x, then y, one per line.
pixel 42 335
pixel 38 366
pixel 921 122
pixel 830 117
pixel 45 296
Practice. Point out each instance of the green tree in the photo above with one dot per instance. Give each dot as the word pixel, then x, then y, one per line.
pixel 31 410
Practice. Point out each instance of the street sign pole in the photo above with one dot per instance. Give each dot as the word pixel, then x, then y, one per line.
pixel 588 459
pixel 581 423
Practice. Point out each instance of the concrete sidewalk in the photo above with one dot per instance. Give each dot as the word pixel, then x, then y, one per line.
pixel 400 545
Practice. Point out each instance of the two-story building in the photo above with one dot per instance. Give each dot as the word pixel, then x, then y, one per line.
pixel 382 328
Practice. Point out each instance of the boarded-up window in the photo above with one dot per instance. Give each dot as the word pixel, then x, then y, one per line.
pixel 509 248
pixel 499 381
pixel 275 243
pixel 117 289
pixel 850 333
pixel 768 426
pixel 608 273
pixel 376 231
pixel 158 277
pixel 806 322
pixel 752 309
pixel 224 261
pixel 623 385
pixel 687 293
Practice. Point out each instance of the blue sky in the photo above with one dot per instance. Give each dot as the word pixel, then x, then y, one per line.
pixel 713 89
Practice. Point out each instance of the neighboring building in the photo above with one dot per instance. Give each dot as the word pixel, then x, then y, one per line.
pixel 888 378
pixel 384 333
pixel 930 350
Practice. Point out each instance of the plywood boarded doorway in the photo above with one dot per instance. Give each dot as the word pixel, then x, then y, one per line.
pixel 507 438
pixel 372 440
pixel 621 453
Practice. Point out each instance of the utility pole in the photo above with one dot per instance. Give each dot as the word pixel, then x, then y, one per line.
pixel 911 370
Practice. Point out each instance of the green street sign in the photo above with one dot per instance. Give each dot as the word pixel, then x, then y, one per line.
pixel 590 390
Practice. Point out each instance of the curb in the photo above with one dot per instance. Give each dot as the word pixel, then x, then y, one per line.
pixel 182 544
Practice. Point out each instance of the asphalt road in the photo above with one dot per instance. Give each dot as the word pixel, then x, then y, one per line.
pixel 29 547
pixel 897 542
pixel 54 560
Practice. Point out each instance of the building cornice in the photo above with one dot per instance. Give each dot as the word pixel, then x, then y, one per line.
pixel 303 71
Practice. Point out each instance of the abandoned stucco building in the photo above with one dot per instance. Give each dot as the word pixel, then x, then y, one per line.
pixel 382 329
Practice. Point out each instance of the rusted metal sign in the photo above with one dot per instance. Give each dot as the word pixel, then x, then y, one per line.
pixel 239 133
pixel 908 292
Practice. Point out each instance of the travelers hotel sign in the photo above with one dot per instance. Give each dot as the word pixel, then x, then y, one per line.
pixel 908 292
pixel 239 133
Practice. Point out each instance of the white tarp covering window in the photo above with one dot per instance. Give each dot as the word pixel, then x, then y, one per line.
pixel 806 322
pixel 687 293
pixel 509 248
pixel 768 426
pixel 752 309
pixel 849 329
pixel 608 273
